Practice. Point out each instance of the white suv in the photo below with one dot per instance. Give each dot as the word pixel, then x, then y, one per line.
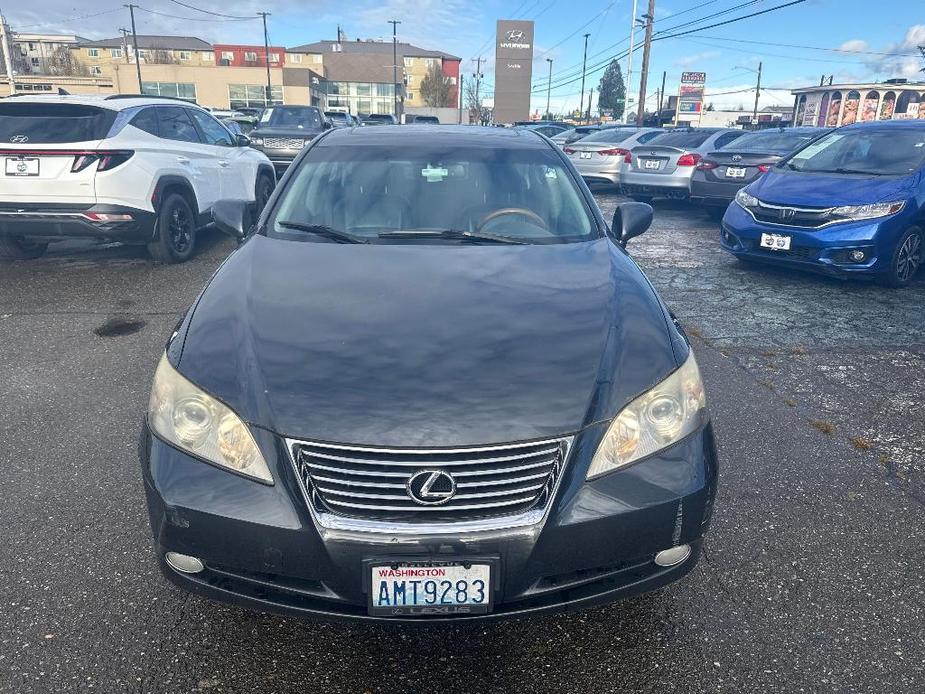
pixel 135 169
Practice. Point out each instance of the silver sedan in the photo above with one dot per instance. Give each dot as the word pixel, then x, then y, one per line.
pixel 664 166
pixel 600 157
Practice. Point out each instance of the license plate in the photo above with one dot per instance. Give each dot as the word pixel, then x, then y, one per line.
pixel 650 163
pixel 584 155
pixel 735 172
pixel 22 166
pixel 776 242
pixel 429 588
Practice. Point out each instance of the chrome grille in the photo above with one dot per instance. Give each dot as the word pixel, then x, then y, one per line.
pixel 373 483
pixel 810 218
pixel 283 142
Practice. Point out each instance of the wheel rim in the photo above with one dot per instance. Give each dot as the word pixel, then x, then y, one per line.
pixel 909 257
pixel 180 227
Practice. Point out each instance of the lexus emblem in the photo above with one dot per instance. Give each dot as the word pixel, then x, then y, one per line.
pixel 736 157
pixel 19 139
pixel 515 35
pixel 431 487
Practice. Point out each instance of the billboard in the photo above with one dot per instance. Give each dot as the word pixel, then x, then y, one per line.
pixel 513 70
pixel 690 96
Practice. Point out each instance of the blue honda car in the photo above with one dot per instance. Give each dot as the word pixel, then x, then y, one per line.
pixel 850 204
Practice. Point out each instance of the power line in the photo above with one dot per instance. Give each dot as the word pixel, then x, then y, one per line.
pixel 811 48
pixel 214 14
pixel 195 19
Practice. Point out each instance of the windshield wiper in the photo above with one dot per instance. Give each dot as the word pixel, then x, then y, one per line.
pixel 454 234
pixel 842 170
pixel 321 230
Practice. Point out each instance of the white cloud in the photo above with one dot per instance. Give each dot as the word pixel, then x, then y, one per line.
pixel 854 46
pixel 904 60
pixel 689 60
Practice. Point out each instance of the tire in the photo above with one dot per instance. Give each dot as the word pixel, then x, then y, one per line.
pixel 262 193
pixel 906 260
pixel 20 248
pixel 176 231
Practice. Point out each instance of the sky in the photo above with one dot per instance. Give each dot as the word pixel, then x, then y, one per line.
pixel 853 40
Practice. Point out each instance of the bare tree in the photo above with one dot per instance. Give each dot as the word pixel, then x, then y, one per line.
pixel 160 56
pixel 478 112
pixel 435 87
pixel 63 61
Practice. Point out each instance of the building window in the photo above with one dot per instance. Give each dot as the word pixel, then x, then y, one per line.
pixel 409 80
pixel 96 70
pixel 186 55
pixel 31 46
pixel 294 58
pixel 115 52
pixel 208 56
pixel 20 87
pixel 274 57
pixel 177 90
pixel 36 62
pixel 410 96
pixel 249 95
pixel 250 56
pixel 451 80
pixel 93 52
pixel 227 55
pixel 141 53
pixel 409 62
pixel 316 58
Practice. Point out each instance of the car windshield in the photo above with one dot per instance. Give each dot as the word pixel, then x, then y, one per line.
pixel 33 123
pixel 410 193
pixel 291 117
pixel 682 138
pixel 609 135
pixel 771 141
pixel 874 151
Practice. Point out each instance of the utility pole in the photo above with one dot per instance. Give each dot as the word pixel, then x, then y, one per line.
pixel 644 76
pixel 131 11
pixel 478 79
pixel 629 66
pixel 8 61
pixel 459 97
pixel 757 94
pixel 661 95
pixel 125 33
pixel 590 99
pixel 394 23
pixel 266 56
pixel 584 63
pixel 549 85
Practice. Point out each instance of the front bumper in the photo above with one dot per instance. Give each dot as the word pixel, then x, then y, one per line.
pixel 261 548
pixel 280 158
pixel 51 221
pixel 819 250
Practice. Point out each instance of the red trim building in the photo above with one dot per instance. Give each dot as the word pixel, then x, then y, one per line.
pixel 242 55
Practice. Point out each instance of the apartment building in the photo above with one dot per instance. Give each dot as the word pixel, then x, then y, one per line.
pixel 100 57
pixel 41 54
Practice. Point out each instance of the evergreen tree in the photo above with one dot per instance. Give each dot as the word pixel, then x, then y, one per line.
pixel 611 91
pixel 435 87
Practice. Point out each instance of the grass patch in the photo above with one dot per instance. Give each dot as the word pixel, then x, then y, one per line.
pixel 822 425
pixel 790 402
pixel 799 349
pixel 861 443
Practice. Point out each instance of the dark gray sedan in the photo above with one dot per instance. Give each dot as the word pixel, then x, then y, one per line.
pixel 284 130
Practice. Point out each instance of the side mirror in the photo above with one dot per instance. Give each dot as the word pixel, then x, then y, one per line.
pixel 630 220
pixel 230 216
pixel 242 140
pixel 327 125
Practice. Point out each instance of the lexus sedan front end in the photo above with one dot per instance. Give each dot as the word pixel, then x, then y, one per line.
pixel 429 385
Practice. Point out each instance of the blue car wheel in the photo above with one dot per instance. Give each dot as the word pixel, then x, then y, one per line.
pixel 907 258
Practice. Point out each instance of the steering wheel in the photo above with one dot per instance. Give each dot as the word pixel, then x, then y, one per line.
pixel 505 211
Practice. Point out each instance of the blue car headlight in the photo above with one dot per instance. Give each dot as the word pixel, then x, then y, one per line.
pixel 872 211
pixel 745 199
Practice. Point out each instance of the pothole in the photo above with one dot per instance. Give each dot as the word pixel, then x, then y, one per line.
pixel 118 326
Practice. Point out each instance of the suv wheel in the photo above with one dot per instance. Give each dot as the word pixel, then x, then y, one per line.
pixel 263 192
pixel 176 231
pixel 907 258
pixel 21 248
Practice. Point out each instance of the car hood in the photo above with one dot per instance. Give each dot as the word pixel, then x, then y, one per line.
pixel 821 190
pixel 436 345
pixel 307 133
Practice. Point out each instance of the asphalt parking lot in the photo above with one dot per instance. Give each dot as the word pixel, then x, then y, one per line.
pixel 813 577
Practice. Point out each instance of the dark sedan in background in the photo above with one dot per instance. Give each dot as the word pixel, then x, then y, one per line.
pixel 284 130
pixel 723 173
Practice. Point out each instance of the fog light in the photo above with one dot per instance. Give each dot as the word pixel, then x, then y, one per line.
pixel 184 563
pixel 856 256
pixel 675 555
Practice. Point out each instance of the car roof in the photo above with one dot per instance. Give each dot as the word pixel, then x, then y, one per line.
pixel 444 135
pixel 886 124
pixel 113 102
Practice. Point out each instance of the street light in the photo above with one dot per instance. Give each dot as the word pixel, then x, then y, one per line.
pixel 548 86
pixel 757 87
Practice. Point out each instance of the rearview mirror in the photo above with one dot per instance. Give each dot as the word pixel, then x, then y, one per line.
pixel 242 140
pixel 630 220
pixel 230 216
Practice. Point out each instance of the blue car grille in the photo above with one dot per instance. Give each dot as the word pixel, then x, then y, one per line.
pixel 806 218
pixel 375 484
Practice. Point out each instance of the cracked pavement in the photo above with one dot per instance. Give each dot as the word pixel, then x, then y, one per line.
pixel 811 579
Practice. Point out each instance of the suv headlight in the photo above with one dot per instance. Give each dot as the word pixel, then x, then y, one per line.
pixel 195 422
pixel 257 141
pixel 655 420
pixel 858 212
pixel 746 200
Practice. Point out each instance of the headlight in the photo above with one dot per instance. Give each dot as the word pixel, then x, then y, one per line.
pixel 257 141
pixel 655 420
pixel 746 200
pixel 195 422
pixel 858 212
